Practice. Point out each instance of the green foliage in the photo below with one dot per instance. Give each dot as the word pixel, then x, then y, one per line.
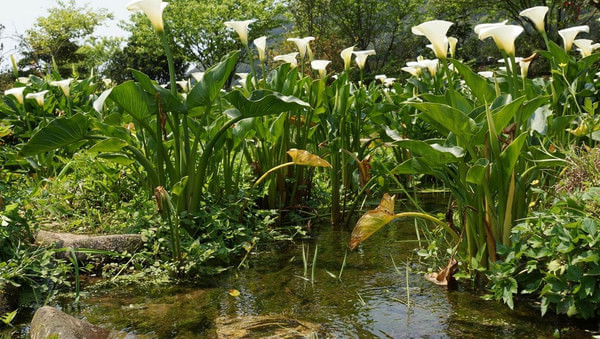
pixel 55 39
pixel 143 52
pixel 372 24
pixel 554 257
pixel 198 26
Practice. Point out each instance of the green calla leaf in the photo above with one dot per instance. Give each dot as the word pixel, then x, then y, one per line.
pixel 59 133
pixel 482 89
pixel 207 89
pixel 132 99
pixel 447 119
pixel 109 145
pixel 435 153
pixel 264 102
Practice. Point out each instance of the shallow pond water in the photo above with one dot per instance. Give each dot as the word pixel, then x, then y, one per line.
pixel 372 299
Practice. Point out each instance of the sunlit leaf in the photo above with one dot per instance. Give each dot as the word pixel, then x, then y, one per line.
pixel 372 221
pixel 206 90
pixel 234 293
pixel 305 158
pixel 59 133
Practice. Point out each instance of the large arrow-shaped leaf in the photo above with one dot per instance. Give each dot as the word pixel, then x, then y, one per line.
pixel 207 89
pixel 446 118
pixel 434 153
pixel 264 102
pixel 59 133
pixel 132 99
pixel 483 90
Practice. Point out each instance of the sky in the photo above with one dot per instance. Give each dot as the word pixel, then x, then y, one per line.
pixel 19 15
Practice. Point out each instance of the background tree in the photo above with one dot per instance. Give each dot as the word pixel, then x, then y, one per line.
pixel 382 25
pixel 198 26
pixel 144 52
pixel 58 37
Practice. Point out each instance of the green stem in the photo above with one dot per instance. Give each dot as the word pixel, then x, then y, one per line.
pixel 169 53
pixel 270 171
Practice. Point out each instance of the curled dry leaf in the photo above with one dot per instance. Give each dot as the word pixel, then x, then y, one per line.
pixel 305 158
pixel 234 293
pixel 372 221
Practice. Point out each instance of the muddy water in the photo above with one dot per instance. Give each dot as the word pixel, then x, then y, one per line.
pixel 381 293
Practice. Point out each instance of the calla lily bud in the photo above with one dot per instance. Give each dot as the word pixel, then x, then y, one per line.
pixel 302 44
pixel 536 15
pixel 568 35
pixel 16 92
pixel 63 84
pixel 288 58
pixel 504 36
pixel 346 55
pixel 320 66
pixel 452 41
pixel 524 64
pixel 435 31
pixel 261 47
pixel 241 27
pixel 361 57
pixel 153 10
pixel 38 97
pixel 586 46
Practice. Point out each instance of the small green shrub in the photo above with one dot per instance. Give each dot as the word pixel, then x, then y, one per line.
pixel 555 256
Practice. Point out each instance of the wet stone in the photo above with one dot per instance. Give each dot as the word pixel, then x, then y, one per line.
pixel 50 322
pixel 118 243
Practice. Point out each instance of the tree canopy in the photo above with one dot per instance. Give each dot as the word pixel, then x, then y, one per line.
pixel 57 37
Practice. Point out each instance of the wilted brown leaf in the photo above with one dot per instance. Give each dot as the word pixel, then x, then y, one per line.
pixel 305 158
pixel 372 221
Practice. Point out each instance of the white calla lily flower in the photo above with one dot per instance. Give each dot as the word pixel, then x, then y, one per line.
pixel 435 31
pixel 198 76
pixel 290 58
pixel 37 96
pixel 381 77
pixel 320 66
pixel 99 103
pixel 63 84
pixel 183 84
pixel 568 35
pixel 486 74
pixel 153 10
pixel 537 15
pixel 346 55
pixel 412 70
pixel 261 47
pixel 24 80
pixel 302 44
pixel 504 36
pixel 241 27
pixel 361 57
pixel 16 92
pixel 586 46
pixel 480 27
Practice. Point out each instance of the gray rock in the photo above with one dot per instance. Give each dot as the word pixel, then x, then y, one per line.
pixel 115 243
pixel 48 321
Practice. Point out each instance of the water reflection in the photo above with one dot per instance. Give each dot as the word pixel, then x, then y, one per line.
pixel 370 300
